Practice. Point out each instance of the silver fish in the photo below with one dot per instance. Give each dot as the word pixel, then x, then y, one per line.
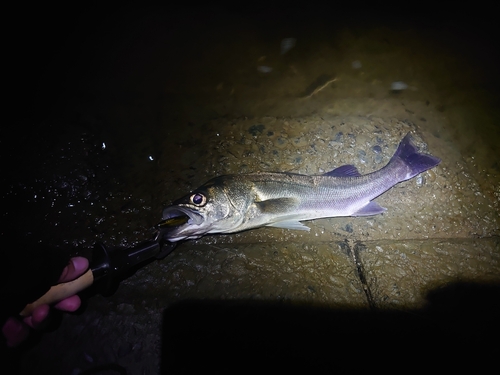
pixel 233 203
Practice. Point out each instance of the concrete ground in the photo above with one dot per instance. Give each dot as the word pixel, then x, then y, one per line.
pixel 419 281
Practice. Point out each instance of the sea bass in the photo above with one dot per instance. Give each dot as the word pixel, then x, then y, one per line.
pixel 233 203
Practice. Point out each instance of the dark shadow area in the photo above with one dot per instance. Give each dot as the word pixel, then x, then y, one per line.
pixel 458 328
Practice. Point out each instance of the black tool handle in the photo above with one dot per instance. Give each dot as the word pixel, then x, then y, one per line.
pixel 107 265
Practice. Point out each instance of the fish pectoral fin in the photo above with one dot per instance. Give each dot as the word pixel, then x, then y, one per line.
pixel 372 208
pixel 290 224
pixel 280 207
pixel 277 205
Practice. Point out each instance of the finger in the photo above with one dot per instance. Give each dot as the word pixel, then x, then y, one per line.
pixel 15 332
pixel 76 267
pixel 69 304
pixel 38 316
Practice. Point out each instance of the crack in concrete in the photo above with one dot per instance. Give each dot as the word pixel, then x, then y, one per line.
pixel 353 248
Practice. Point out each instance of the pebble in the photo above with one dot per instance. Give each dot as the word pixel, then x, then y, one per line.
pixel 348 228
pixel 420 180
pixel 256 129
pixel 281 142
pixel 300 142
pixel 264 69
pixel 431 175
pixel 398 86
pixel 356 64
pixel 287 44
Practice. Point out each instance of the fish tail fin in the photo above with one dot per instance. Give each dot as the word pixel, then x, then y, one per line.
pixel 415 161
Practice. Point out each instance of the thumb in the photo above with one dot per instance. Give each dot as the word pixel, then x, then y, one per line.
pixel 76 267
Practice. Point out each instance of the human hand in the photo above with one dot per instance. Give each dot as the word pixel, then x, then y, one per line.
pixel 16 331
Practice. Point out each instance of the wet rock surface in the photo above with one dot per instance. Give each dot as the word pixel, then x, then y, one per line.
pixel 165 120
pixel 439 230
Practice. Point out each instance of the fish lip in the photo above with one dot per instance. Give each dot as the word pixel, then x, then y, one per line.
pixel 195 218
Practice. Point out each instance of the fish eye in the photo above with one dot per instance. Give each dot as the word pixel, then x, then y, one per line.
pixel 198 199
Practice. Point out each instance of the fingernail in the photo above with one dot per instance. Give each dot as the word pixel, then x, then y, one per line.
pixel 80 263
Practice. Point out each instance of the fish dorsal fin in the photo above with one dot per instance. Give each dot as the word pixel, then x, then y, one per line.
pixel 347 170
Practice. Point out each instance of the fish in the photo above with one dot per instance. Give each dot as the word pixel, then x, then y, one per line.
pixel 239 202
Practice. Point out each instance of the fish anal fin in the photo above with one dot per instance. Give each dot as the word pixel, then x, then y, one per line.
pixel 372 208
pixel 290 224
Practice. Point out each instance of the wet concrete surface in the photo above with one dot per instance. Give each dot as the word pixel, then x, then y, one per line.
pixel 424 275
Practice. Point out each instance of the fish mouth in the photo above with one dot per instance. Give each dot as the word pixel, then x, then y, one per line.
pixel 180 223
pixel 176 216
